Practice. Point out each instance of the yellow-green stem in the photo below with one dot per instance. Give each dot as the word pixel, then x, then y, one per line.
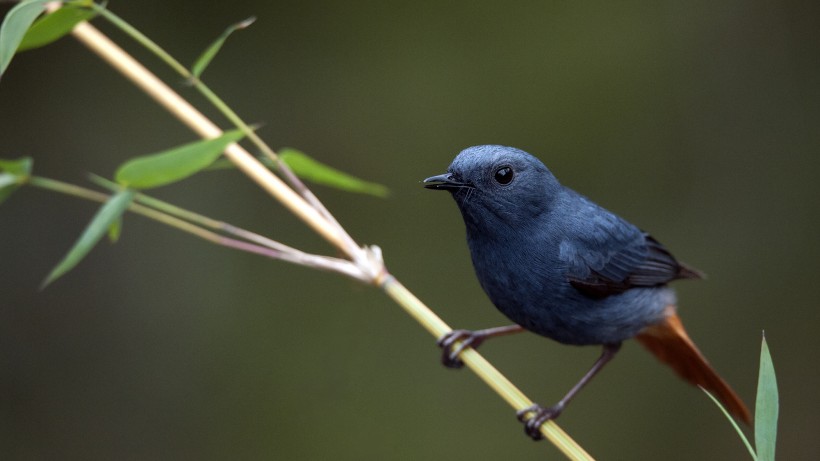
pixel 88 194
pixel 197 218
pixel 488 373
pixel 266 247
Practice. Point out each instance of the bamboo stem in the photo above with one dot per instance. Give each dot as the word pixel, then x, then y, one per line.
pixel 298 186
pixel 368 260
pixel 481 367
pixel 187 114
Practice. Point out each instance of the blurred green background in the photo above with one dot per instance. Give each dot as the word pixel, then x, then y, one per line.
pixel 698 121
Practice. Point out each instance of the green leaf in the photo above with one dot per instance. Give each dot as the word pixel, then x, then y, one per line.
pixel 114 230
pixel 54 26
pixel 7 179
pixel 766 407
pixel 174 164
pixel 209 53
pixel 733 422
pixel 13 173
pixel 225 164
pixel 20 167
pixel 14 27
pixel 8 184
pixel 308 168
pixel 107 214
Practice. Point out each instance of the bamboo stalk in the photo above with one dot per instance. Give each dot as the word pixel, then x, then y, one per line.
pixel 191 117
pixel 368 259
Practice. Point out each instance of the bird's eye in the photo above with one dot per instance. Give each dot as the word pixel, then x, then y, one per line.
pixel 504 175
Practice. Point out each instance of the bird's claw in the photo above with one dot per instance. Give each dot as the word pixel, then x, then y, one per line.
pixel 532 426
pixel 464 338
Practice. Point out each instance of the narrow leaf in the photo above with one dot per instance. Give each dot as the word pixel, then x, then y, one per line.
pixel 20 167
pixel 54 26
pixel 766 407
pixel 734 423
pixel 174 164
pixel 225 164
pixel 107 214
pixel 13 173
pixel 8 184
pixel 14 27
pixel 114 230
pixel 312 170
pixel 7 179
pixel 209 53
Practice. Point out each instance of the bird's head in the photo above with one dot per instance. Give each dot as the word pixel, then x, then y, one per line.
pixel 494 184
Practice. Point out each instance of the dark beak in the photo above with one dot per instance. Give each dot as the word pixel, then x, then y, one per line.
pixel 444 181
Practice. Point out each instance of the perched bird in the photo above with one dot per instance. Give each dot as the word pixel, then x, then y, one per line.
pixel 560 266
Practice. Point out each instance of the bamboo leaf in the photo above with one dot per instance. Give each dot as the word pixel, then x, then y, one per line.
pixel 175 164
pixel 54 26
pixel 14 27
pixel 7 179
pixel 20 167
pixel 8 184
pixel 13 173
pixel 734 424
pixel 319 173
pixel 115 230
pixel 766 407
pixel 107 214
pixel 205 58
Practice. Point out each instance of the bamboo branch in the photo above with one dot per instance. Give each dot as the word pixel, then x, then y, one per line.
pixel 367 259
pixel 187 114
pixel 349 245
pixel 192 223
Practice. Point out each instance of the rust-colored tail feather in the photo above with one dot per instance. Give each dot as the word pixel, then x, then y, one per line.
pixel 671 345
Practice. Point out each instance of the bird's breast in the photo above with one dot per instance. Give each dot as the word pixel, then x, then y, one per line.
pixel 528 284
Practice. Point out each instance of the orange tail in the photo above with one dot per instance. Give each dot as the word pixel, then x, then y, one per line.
pixel 672 346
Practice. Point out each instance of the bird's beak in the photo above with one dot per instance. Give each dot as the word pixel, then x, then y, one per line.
pixel 443 182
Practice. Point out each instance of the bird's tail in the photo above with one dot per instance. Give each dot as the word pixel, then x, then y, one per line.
pixel 669 342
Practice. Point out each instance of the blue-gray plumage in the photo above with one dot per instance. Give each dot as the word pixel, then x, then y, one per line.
pixel 559 265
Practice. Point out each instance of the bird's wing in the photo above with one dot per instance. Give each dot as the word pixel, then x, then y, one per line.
pixel 605 255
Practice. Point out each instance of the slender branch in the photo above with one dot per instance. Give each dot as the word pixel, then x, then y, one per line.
pixel 142 39
pixel 66 188
pixel 220 226
pixel 265 247
pixel 488 373
pixel 161 205
pixel 325 263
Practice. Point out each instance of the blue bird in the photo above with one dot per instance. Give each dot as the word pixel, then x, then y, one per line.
pixel 560 266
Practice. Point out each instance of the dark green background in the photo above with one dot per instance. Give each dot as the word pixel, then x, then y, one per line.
pixel 698 121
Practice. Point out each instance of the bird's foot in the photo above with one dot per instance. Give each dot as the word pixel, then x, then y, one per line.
pixel 532 426
pixel 465 339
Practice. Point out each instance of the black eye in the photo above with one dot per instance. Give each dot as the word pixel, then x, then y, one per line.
pixel 504 175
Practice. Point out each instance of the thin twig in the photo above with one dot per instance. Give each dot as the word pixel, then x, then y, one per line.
pixel 197 218
pixel 262 246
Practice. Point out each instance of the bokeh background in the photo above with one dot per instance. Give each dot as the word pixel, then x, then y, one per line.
pixel 698 121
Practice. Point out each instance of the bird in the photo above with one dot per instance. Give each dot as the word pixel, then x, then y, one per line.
pixel 560 266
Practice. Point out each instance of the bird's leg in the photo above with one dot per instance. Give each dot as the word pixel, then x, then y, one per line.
pixel 541 415
pixel 468 338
